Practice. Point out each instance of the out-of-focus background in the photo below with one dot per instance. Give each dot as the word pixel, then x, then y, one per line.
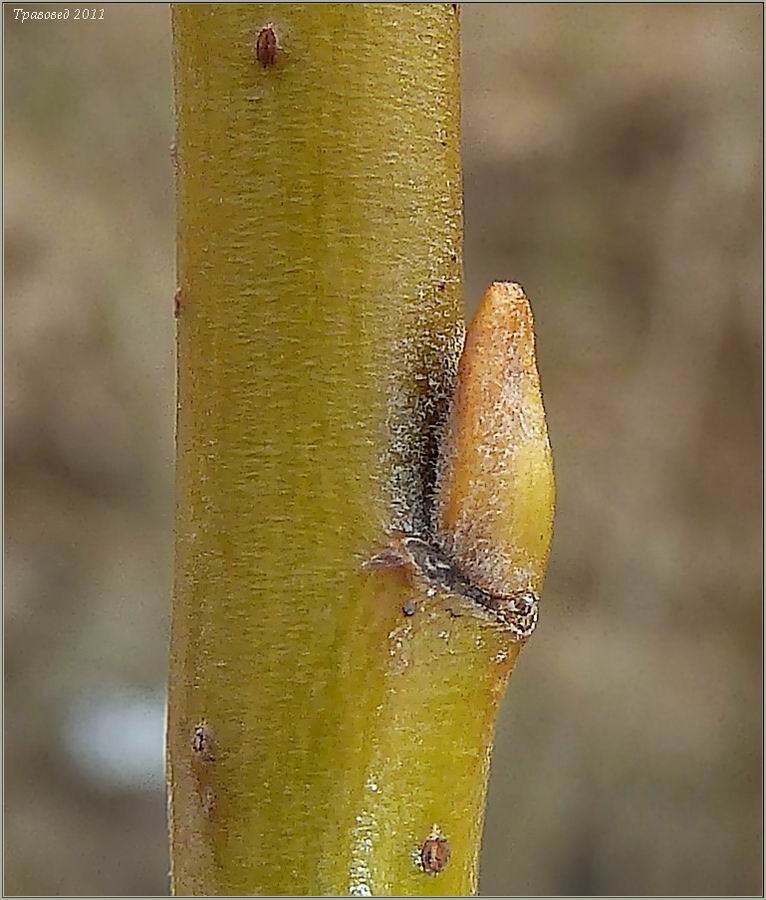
pixel 613 166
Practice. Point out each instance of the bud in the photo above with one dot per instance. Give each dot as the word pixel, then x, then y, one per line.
pixel 495 495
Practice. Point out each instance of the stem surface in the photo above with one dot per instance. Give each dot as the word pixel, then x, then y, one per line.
pixel 316 734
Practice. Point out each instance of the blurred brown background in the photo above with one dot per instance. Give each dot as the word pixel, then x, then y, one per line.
pixel 613 166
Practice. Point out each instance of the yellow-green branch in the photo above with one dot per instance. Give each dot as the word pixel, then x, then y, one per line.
pixel 318 736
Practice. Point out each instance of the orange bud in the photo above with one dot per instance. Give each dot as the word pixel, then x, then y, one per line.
pixel 495 496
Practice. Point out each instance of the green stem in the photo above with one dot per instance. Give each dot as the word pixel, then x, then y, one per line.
pixel 315 733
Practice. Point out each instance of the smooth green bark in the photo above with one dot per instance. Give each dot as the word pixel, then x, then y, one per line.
pixel 319 258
